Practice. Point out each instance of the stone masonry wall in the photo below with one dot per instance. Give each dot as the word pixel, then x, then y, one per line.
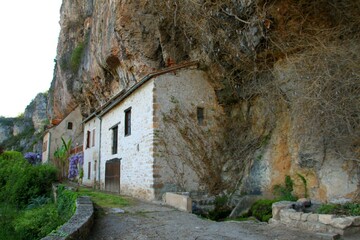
pixel 283 213
pixel 176 99
pixel 135 151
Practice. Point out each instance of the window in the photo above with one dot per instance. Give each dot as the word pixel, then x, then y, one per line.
pixel 88 133
pixel 128 122
pixel 45 146
pixel 70 125
pixel 89 170
pixel 93 137
pixel 114 140
pixel 200 115
pixel 95 169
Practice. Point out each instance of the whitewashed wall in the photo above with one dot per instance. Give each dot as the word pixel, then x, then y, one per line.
pixel 91 154
pixel 135 151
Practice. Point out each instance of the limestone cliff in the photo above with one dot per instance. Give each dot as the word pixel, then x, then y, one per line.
pixel 285 71
pixel 24 133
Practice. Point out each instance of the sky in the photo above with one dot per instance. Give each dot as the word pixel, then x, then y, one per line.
pixel 29 33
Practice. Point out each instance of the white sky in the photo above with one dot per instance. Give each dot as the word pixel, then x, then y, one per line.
pixel 28 39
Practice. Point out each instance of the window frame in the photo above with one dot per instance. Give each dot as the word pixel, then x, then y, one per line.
pixel 127 122
pixel 115 139
pixel 88 139
pixel 89 170
pixel 93 138
pixel 200 115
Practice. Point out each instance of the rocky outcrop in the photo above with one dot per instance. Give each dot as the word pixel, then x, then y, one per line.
pixel 288 84
pixel 36 111
pixel 24 132
pixel 5 132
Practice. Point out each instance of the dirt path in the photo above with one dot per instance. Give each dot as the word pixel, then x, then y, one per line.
pixel 150 221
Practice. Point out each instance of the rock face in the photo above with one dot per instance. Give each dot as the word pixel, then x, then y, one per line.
pixel 290 87
pixel 24 133
pixel 5 132
pixel 36 111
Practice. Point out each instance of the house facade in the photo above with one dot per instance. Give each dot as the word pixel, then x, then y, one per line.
pixel 141 140
pixel 91 151
pixel 68 128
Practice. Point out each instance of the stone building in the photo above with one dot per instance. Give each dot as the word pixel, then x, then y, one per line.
pixel 68 128
pixel 128 146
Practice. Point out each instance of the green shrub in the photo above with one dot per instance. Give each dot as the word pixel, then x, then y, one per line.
pixel 38 222
pixel 34 181
pixel 262 209
pixel 11 155
pixel 284 192
pixel 38 202
pixel 21 185
pixel 66 202
pixel 7 215
pixel 20 181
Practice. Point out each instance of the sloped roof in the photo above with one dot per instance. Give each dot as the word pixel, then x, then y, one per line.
pixel 119 97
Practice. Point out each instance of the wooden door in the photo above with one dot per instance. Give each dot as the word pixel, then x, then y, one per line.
pixel 112 175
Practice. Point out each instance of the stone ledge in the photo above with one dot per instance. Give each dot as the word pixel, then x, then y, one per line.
pixel 79 225
pixel 319 223
pixel 180 201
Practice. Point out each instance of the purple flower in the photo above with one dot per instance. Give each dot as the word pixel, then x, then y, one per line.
pixel 33 158
pixel 75 162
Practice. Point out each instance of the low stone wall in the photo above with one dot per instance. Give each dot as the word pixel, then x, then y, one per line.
pixel 180 201
pixel 79 225
pixel 284 213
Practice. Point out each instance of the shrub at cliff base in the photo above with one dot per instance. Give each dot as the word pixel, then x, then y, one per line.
pixel 262 209
pixel 20 181
pixel 37 223
pixel 26 209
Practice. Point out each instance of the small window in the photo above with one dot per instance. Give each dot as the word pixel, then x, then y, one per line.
pixel 114 140
pixel 88 135
pixel 128 122
pixel 45 146
pixel 200 115
pixel 89 170
pixel 70 125
pixel 95 169
pixel 93 137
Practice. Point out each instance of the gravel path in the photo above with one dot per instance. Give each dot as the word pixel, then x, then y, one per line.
pixel 145 220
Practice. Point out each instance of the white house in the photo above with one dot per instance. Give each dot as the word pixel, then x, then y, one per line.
pixel 142 148
pixel 91 151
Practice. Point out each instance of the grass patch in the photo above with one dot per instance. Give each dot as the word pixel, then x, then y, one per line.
pixel 347 209
pixel 102 199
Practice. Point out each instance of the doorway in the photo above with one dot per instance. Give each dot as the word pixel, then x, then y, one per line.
pixel 112 175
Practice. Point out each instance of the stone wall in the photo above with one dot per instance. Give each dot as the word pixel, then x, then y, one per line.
pixel 283 213
pixel 134 150
pixel 183 148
